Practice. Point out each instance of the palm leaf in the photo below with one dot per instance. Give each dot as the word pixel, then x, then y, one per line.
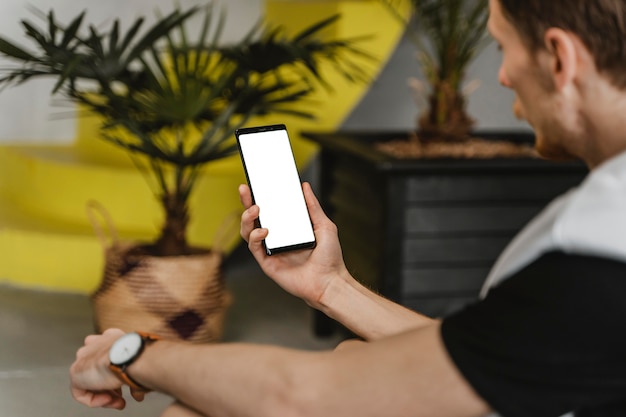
pixel 13 51
pixel 160 29
pixel 67 73
pixel 114 36
pixel 315 28
pixel 69 34
pixel 130 35
pixel 52 27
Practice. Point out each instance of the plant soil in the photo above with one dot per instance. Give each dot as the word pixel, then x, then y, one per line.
pixel 470 148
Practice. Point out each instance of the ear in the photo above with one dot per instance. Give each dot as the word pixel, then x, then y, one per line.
pixel 563 56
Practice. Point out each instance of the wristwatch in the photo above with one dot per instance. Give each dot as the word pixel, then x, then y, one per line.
pixel 125 351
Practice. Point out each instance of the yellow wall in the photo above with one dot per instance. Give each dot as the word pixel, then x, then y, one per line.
pixel 46 239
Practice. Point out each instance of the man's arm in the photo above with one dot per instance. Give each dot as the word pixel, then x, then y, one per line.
pixel 409 374
pixel 320 277
pixel 366 313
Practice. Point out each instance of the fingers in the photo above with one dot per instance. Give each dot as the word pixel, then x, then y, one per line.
pixel 90 377
pixel 105 399
pixel 248 219
pixel 255 244
pixel 313 205
pixel 248 230
pixel 245 195
pixel 113 333
pixel 82 352
pixel 108 333
pixel 253 235
pixel 249 216
pixel 117 400
pixel 309 196
pixel 250 233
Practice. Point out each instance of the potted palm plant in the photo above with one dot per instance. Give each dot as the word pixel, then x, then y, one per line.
pixel 173 102
pixel 448 35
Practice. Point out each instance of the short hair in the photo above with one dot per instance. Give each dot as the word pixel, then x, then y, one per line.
pixel 599 24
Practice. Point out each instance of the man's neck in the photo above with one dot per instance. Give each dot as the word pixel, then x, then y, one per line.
pixel 605 124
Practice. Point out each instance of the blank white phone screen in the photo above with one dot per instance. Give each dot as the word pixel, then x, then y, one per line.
pixel 276 187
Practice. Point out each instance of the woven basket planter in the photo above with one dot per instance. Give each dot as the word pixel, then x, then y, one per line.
pixel 175 297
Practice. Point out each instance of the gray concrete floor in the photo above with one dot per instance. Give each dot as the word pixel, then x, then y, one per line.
pixel 40 332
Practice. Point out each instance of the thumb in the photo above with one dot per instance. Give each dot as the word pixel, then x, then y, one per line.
pixel 315 209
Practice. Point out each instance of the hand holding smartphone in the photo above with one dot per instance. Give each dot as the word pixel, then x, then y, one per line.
pixel 276 188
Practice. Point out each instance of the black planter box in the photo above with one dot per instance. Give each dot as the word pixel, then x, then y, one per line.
pixel 425 233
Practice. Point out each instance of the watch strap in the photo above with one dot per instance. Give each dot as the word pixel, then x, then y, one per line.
pixel 121 374
pixel 120 371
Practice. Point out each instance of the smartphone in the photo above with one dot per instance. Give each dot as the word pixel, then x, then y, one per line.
pixel 272 175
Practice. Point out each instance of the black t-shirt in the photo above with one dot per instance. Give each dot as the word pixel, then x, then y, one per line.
pixel 548 340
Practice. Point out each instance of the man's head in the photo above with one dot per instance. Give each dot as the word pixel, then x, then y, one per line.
pixel 599 24
pixel 558 56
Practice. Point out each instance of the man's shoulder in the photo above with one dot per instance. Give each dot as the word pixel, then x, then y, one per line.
pixel 593 222
pixel 588 220
pixel 556 323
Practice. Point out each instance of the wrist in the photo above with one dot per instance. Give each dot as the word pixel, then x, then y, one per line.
pixel 335 293
pixel 126 351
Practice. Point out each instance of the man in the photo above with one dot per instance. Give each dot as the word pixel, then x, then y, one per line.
pixel 547 339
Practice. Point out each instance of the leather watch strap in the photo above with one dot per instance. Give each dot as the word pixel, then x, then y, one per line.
pixel 126 379
pixel 120 371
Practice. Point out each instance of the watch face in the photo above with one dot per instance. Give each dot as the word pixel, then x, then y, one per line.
pixel 125 349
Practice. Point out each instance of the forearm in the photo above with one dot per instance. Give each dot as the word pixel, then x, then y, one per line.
pixel 366 313
pixel 258 381
pixel 226 380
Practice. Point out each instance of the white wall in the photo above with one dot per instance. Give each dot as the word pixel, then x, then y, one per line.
pixel 27 112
